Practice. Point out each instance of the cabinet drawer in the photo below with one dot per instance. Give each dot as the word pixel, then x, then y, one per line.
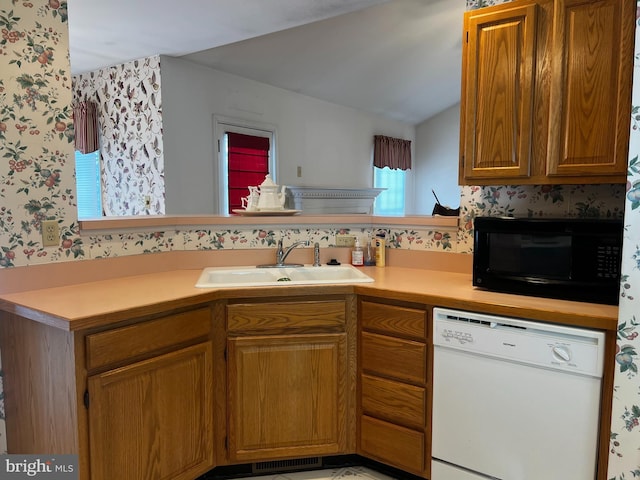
pixel 393 401
pixel 397 446
pixel 394 357
pixel 119 344
pixel 409 322
pixel 257 317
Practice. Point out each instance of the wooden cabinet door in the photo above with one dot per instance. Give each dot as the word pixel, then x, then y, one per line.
pixel 497 92
pixel 287 396
pixel 591 89
pixel 153 419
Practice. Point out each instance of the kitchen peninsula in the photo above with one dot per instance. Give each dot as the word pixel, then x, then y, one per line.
pixel 149 355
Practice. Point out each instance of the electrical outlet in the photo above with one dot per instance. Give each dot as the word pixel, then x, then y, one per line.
pixel 50 233
pixel 147 201
pixel 343 240
pixel 299 171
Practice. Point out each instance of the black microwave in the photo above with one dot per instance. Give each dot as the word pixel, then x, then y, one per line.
pixel 566 258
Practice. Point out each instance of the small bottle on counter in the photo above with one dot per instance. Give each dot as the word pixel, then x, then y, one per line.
pixel 380 249
pixel 369 255
pixel 357 255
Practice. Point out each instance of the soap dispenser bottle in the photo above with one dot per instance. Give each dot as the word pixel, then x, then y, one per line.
pixel 369 256
pixel 357 255
pixel 380 249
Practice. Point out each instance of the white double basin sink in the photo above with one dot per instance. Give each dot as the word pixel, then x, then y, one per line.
pixel 220 277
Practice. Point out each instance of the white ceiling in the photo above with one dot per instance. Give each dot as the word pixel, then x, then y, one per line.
pixel 398 58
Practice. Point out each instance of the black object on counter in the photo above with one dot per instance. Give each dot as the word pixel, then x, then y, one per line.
pixel 439 209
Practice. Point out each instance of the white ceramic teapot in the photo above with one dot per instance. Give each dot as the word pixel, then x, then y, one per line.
pixel 271 197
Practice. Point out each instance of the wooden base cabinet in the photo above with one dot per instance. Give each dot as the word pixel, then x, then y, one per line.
pixel 134 401
pixel 291 389
pixel 394 385
pixel 150 412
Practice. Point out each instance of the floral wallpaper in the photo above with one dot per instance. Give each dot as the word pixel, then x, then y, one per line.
pixel 624 457
pixel 257 236
pixel 36 136
pixel 130 120
pixel 595 201
pixel 36 183
pixel 36 132
pixel 473 4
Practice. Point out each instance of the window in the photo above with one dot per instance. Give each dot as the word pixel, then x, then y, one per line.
pixel 392 200
pixel 89 192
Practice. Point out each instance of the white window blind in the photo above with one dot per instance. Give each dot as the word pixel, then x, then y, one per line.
pixel 392 200
pixel 89 192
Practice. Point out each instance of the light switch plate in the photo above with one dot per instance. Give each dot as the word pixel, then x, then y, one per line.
pixel 50 233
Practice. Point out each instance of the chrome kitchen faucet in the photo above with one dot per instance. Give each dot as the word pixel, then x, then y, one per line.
pixel 282 254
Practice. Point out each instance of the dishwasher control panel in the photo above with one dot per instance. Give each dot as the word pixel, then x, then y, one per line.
pixel 524 341
pixel 462 337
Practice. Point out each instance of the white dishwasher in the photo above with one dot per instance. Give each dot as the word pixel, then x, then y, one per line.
pixel 514 399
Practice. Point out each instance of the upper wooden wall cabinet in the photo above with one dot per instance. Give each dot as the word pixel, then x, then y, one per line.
pixel 546 92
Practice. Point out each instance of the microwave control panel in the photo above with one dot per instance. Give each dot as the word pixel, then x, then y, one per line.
pixel 608 261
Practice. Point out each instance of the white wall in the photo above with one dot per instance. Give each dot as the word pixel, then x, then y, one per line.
pixel 436 161
pixel 333 144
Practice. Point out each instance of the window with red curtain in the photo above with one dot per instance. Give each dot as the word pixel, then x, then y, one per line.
pixel 248 163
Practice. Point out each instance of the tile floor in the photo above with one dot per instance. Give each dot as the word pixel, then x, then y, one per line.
pixel 347 471
pixel 343 473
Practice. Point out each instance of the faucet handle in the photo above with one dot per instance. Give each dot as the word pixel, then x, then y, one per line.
pixel 316 254
pixel 279 252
